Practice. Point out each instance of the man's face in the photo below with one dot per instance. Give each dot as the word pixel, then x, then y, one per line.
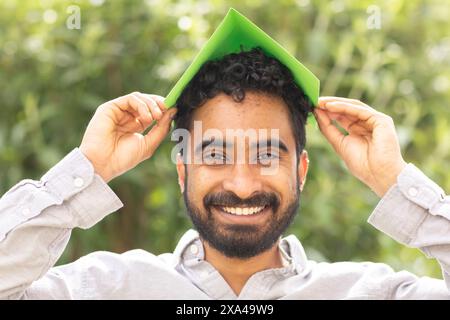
pixel 236 208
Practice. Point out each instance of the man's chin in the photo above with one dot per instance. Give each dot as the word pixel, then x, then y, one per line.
pixel 238 241
pixel 239 250
pixel 240 231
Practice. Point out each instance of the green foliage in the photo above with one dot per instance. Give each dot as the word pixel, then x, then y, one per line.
pixel 53 78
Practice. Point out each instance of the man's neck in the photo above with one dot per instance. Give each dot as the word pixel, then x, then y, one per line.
pixel 235 271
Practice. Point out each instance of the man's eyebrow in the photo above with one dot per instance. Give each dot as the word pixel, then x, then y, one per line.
pixel 219 142
pixel 213 142
pixel 271 143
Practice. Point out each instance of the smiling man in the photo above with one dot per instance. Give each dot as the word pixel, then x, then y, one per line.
pixel 239 211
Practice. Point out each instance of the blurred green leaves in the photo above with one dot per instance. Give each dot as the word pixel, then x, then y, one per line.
pixel 53 78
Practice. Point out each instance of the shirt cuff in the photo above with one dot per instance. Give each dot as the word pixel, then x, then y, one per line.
pixel 74 181
pixel 407 204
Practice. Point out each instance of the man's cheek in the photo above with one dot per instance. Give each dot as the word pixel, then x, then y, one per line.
pixel 271 168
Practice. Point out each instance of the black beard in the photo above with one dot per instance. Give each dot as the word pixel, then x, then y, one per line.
pixel 241 241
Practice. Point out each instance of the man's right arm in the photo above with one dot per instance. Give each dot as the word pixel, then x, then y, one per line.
pixel 36 219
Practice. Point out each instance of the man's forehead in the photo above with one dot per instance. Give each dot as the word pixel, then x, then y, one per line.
pixel 255 110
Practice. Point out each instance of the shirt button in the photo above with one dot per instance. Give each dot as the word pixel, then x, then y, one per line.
pixel 194 249
pixel 413 191
pixel 26 212
pixel 78 182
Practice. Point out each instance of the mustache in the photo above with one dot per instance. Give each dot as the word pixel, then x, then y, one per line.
pixel 229 199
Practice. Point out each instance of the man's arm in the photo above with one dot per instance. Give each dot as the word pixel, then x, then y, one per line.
pixel 413 209
pixel 416 212
pixel 36 217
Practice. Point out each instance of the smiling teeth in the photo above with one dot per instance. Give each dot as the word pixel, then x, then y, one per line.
pixel 242 211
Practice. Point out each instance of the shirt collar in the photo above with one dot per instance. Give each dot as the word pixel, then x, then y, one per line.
pixel 190 248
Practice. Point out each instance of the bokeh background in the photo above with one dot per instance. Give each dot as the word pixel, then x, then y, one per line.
pixel 52 78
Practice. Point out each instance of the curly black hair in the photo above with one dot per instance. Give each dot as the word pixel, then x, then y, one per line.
pixel 238 73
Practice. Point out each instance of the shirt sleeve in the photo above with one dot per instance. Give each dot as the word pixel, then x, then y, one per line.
pixel 416 212
pixel 36 219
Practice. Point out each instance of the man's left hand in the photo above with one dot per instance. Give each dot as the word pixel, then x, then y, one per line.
pixel 371 149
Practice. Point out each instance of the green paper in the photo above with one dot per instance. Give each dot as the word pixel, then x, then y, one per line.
pixel 236 31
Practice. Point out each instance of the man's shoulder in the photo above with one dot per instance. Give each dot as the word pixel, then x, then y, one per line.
pixel 107 262
pixel 352 274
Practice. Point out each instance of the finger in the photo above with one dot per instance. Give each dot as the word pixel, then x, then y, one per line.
pixel 154 108
pixel 351 124
pixel 323 100
pixel 144 110
pixel 132 124
pixel 159 101
pixel 130 102
pixel 353 127
pixel 120 115
pixel 329 130
pixel 159 131
pixel 337 116
pixel 359 112
pixel 140 127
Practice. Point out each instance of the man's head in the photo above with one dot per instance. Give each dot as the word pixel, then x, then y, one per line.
pixel 236 209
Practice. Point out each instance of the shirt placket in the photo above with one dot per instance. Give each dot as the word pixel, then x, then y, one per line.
pixel 204 275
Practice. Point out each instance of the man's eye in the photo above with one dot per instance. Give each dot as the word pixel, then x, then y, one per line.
pixel 267 155
pixel 214 157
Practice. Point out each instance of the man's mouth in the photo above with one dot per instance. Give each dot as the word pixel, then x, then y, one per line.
pixel 231 209
pixel 242 211
pixel 250 214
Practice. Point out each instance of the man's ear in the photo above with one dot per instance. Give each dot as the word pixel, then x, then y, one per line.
pixel 303 165
pixel 181 171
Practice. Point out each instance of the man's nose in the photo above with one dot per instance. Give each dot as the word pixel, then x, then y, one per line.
pixel 242 181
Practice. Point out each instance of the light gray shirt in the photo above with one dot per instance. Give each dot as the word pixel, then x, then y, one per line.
pixel 36 219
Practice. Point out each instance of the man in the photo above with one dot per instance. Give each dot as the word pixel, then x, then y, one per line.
pixel 239 211
pixel 236 256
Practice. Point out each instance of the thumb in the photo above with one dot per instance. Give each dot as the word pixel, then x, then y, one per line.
pixel 159 131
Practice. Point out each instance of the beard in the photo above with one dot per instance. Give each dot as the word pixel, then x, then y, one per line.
pixel 241 241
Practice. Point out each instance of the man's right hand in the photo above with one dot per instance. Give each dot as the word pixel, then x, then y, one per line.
pixel 113 140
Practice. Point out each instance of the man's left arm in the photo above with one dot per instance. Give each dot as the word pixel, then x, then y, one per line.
pixel 416 212
pixel 413 209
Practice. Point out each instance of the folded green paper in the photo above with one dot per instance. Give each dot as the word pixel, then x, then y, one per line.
pixel 234 32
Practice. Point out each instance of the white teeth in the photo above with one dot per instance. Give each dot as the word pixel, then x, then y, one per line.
pixel 242 211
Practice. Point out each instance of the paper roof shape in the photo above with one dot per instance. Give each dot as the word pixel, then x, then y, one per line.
pixel 234 32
